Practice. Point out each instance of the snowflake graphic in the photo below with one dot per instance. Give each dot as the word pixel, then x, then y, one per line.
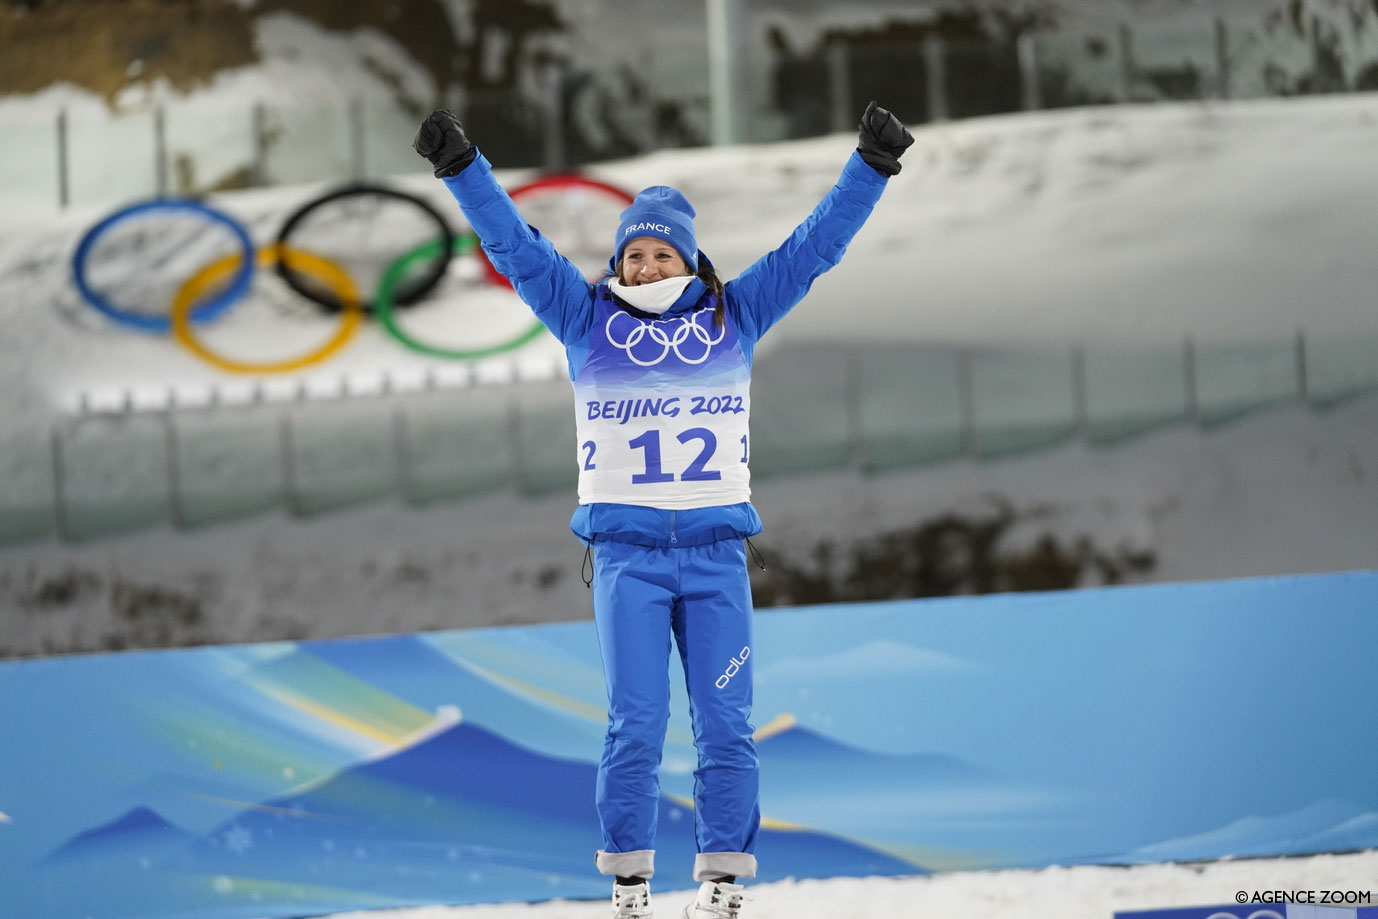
pixel 238 840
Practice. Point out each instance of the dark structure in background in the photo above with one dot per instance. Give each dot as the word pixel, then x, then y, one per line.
pixel 541 95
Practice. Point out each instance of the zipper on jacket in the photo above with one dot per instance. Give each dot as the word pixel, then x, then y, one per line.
pixel 673 538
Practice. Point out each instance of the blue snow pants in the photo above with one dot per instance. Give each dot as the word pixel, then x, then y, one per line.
pixel 700 596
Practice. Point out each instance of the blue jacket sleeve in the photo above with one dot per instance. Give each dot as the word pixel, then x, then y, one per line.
pixel 549 283
pixel 767 290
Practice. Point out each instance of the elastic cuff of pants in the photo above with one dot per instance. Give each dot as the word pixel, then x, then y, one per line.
pixel 710 865
pixel 638 864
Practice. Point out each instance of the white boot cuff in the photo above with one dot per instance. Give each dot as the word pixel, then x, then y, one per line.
pixel 638 864
pixel 710 865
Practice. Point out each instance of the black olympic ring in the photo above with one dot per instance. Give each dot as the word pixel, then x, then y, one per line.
pixel 407 294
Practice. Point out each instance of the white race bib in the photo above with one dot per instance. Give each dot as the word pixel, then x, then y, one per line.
pixel 662 409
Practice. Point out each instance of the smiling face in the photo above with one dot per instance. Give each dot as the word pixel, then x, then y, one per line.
pixel 647 259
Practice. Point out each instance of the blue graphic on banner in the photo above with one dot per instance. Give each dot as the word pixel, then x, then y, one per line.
pixel 1106 726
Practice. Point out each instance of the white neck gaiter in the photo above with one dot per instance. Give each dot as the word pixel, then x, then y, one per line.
pixel 654 298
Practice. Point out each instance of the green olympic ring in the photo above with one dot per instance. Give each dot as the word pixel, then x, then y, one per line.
pixel 384 312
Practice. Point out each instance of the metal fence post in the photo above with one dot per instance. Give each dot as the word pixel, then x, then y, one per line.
pixel 840 86
pixel 726 38
pixel 1080 409
pixel 966 403
pixel 1031 93
pixel 856 432
pixel 936 68
pixel 260 132
pixel 1193 404
pixel 649 124
pixel 401 454
pixel 554 80
pixel 288 453
pixel 1128 70
pixel 1222 57
pixel 59 483
pixel 1303 384
pixel 63 188
pixel 160 151
pixel 514 441
pixel 357 157
pixel 175 515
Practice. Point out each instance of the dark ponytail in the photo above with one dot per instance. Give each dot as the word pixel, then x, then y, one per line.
pixel 710 279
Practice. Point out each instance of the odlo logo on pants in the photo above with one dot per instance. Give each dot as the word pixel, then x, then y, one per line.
pixel 733 666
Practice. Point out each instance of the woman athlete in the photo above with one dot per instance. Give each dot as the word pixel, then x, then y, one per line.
pixel 660 353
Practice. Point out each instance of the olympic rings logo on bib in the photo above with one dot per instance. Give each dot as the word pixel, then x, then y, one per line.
pixel 656 334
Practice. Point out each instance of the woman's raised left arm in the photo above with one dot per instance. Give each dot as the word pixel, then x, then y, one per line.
pixel 778 280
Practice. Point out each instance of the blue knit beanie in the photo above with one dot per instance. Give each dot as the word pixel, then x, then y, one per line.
pixel 660 212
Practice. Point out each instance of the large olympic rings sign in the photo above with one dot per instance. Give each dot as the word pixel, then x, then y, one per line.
pixel 666 334
pixel 208 293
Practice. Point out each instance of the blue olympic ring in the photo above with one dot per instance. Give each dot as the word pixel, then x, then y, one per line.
pixel 210 309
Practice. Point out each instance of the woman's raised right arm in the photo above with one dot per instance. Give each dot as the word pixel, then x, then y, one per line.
pixel 549 283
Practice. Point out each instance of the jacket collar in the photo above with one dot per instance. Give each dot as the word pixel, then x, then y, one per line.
pixel 693 293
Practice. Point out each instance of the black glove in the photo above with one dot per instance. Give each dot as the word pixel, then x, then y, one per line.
pixel 441 140
pixel 883 140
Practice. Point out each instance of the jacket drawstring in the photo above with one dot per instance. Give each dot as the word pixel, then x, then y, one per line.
pixel 756 555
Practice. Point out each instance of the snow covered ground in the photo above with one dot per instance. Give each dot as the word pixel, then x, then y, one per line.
pixel 1049 893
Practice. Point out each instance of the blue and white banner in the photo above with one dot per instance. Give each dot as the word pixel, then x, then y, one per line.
pixel 1102 726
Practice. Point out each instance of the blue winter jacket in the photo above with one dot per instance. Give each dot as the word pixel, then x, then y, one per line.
pixel 563 300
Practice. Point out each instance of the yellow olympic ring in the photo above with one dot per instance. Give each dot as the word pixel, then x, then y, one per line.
pixel 325 270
